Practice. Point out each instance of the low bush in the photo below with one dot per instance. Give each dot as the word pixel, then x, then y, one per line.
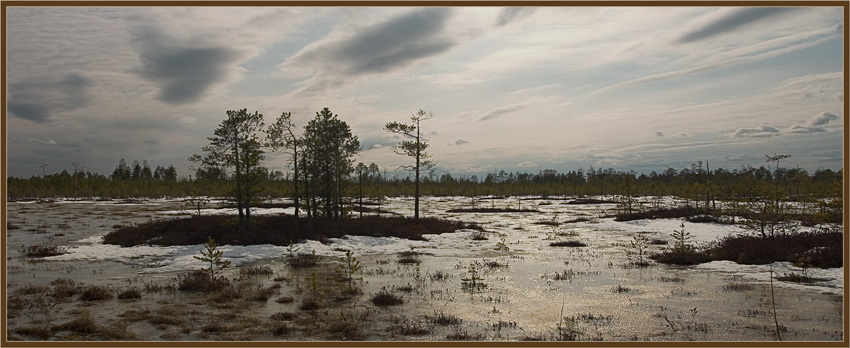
pixel 738 286
pixel 309 305
pixel 130 294
pixel 478 235
pixel 42 250
pixel 682 257
pixel 200 281
pixel 619 289
pixel 492 210
pixel 658 241
pixel 384 299
pixel 821 249
pixel 96 293
pixel 283 316
pixel 661 213
pixel 64 288
pixel 303 260
pixel 590 201
pixel 408 257
pixel 442 319
pixel 568 243
pixel 802 278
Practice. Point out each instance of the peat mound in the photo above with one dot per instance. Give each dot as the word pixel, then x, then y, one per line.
pixel 278 230
pixel 491 210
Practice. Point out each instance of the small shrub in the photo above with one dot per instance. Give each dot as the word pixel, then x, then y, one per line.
pixel 478 235
pixel 738 286
pixel 682 252
pixel 494 264
pixel 96 293
pixel 409 329
pixel 802 278
pixel 673 279
pixel 83 324
pixel 30 289
pixel 408 257
pixel 280 329
pixel 688 257
pixel 404 288
pixel 130 294
pixel 474 281
pixel 303 260
pixel 42 250
pixel 658 241
pixel 568 243
pixel 200 281
pixel 210 254
pixel 464 336
pixel 439 275
pixel 39 331
pixel 637 251
pixel 384 299
pixel 283 316
pixel 309 304
pixel 64 288
pixel 348 269
pixel 263 294
pixel 619 289
pixel 548 223
pixel 215 327
pixel 442 319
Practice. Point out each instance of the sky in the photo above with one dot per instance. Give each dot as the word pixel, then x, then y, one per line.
pixel 519 89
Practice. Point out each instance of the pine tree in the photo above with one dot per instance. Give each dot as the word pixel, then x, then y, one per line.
pixel 213 256
pixel 413 148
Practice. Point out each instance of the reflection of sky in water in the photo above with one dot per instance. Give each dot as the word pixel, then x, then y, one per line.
pixel 524 291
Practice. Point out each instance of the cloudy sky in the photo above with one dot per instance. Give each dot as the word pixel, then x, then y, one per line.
pixel 515 89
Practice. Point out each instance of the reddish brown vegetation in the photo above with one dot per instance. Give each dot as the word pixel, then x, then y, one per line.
pixel 277 230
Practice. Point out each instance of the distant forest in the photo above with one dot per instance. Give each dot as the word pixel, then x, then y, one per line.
pixel 138 180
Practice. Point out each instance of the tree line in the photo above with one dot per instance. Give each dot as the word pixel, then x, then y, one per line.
pixel 324 178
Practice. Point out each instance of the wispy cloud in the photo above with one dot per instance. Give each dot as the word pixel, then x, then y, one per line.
pixel 729 20
pixel 502 110
pixel 714 63
pixel 46 141
pixel 510 14
pixel 765 130
pixel 814 124
pixel 383 47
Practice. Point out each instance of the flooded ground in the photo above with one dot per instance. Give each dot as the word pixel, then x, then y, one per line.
pixel 506 284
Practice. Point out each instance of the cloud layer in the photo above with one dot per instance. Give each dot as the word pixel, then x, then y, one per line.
pixel 40 101
pixel 513 88
pixel 386 46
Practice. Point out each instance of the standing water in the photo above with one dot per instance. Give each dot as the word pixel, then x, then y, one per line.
pixel 508 283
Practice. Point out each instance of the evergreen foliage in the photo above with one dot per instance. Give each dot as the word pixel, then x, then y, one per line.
pixel 236 145
pixel 413 148
pixel 213 256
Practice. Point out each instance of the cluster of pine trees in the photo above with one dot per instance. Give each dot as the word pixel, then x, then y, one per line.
pixel 324 178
